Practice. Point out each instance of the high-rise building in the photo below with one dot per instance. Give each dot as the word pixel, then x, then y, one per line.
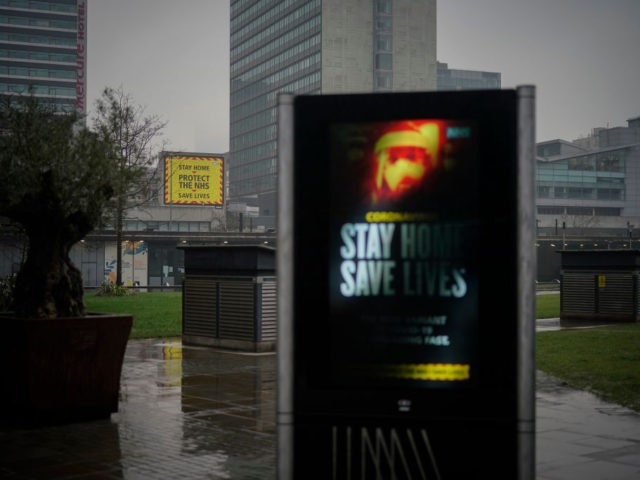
pixel 312 47
pixel 43 51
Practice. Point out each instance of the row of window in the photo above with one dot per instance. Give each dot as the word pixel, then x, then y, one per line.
pixel 266 17
pixel 601 162
pixel 247 108
pixel 309 84
pixel 38 72
pixel 589 211
pixel 258 88
pixel 255 169
pixel 40 56
pixel 262 36
pixel 273 62
pixel 69 41
pixel 452 83
pixel 254 121
pixel 37 89
pixel 275 45
pixel 252 185
pixel 579 177
pixel 586 193
pixel 257 152
pixel 257 136
pixel 140 226
pixel 306 84
pixel 38 22
pixel 383 42
pixel 39 5
pixel 64 105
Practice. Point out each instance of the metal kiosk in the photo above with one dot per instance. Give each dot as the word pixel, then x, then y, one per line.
pixel 229 297
pixel 406 285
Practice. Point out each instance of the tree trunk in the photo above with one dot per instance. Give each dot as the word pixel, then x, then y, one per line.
pixel 119 221
pixel 49 284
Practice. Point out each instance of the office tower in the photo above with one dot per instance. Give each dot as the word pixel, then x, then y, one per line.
pixel 313 47
pixel 43 51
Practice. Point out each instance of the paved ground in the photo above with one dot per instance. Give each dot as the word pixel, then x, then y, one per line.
pixel 197 413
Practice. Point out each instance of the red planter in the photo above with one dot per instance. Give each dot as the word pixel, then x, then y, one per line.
pixel 62 370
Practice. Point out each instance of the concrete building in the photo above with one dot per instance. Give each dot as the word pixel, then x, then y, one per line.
pixel 313 47
pixel 43 51
pixel 588 194
pixel 456 79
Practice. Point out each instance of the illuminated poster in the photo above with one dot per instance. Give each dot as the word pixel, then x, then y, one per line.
pixel 403 279
pixel 135 261
pixel 194 180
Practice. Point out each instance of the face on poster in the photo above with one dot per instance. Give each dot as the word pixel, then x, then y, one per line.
pixel 403 266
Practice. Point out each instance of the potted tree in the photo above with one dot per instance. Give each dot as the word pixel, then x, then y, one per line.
pixel 56 179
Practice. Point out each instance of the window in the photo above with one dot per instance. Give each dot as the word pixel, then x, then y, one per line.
pixel 543 191
pixel 607 211
pixel 383 6
pixel 580 211
pixel 383 80
pixel 383 61
pixel 383 43
pixel 383 24
pixel 609 194
pixel 551 210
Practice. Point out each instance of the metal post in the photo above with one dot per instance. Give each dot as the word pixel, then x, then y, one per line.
pixel 284 256
pixel 526 285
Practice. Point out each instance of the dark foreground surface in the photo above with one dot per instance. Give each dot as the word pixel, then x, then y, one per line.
pixel 191 413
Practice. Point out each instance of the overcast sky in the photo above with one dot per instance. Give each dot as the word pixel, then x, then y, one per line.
pixel 583 56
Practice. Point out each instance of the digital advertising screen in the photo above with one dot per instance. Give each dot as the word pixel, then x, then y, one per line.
pixel 405 285
pixel 403 256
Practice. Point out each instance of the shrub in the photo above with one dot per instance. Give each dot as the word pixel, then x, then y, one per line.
pixel 110 289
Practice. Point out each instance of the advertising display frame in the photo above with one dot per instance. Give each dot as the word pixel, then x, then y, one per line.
pixel 202 184
pixel 364 422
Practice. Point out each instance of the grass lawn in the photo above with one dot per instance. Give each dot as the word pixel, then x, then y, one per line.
pixel 155 314
pixel 601 360
pixel 548 306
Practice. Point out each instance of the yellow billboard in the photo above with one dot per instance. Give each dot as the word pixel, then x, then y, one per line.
pixel 194 180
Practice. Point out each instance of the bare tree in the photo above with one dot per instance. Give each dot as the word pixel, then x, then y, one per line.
pixel 135 136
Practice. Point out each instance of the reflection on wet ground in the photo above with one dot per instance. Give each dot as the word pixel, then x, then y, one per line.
pixel 200 413
pixel 185 412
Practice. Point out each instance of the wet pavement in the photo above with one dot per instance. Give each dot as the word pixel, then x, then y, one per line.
pixel 200 413
pixel 184 413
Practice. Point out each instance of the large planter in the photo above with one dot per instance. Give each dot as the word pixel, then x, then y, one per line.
pixel 62 370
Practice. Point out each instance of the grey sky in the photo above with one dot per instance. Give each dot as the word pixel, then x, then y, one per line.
pixel 582 55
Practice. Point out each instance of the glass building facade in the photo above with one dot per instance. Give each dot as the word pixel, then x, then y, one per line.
pixel 312 47
pixel 275 47
pixel 594 186
pixel 587 184
pixel 43 51
pixel 455 79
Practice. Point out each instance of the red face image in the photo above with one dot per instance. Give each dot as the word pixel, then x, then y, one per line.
pixel 404 157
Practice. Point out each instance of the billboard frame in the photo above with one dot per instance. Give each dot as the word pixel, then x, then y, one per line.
pixel 516 381
pixel 197 189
